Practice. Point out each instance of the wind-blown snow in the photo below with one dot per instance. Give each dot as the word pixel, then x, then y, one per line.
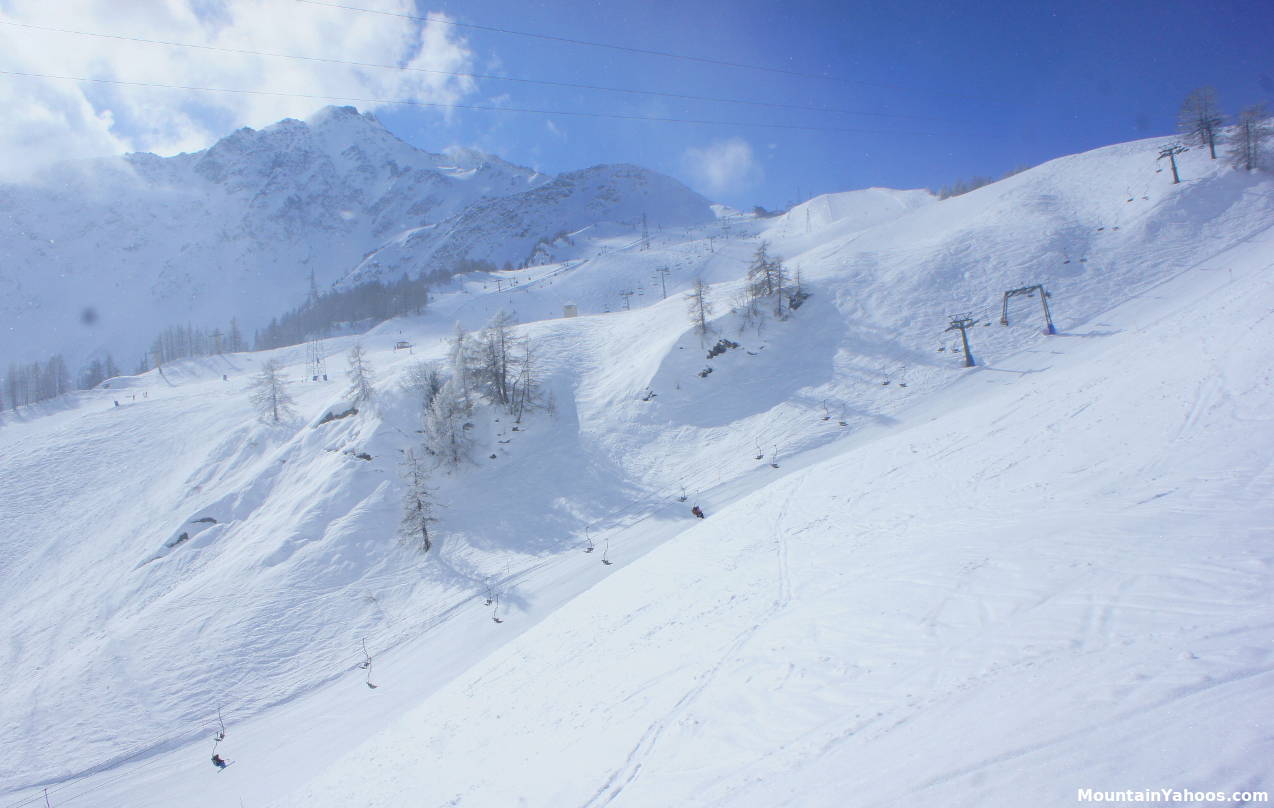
pixel 993 586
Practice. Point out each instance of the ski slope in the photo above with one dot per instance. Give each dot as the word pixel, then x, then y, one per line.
pixel 993 586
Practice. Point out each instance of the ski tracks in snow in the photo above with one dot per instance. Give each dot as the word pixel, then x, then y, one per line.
pixel 635 761
pixel 624 776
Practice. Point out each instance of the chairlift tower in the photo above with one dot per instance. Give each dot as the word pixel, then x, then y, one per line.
pixel 645 233
pixel 963 323
pixel 1028 291
pixel 664 272
pixel 315 363
pixel 1171 151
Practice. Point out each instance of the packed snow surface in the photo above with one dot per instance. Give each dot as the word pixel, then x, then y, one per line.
pixel 991 586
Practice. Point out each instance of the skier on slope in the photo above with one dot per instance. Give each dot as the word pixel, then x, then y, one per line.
pixel 219 761
pixel 697 511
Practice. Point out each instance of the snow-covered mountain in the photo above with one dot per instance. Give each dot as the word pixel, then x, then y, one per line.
pixel 541 225
pixel 917 584
pixel 102 255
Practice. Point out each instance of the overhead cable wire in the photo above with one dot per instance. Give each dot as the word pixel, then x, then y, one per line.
pixel 439 105
pixel 641 51
pixel 462 74
pixel 585 42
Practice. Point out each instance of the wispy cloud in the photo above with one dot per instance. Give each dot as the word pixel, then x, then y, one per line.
pixel 723 166
pixel 49 119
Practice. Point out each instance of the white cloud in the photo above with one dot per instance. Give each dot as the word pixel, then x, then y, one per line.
pixel 49 119
pixel 723 166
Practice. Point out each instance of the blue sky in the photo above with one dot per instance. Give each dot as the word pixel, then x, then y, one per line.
pixel 993 84
pixel 954 89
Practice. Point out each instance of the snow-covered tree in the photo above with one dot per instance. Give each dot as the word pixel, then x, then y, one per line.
pixel 423 383
pixel 360 375
pixel 526 387
pixel 767 278
pixel 797 295
pixel 92 375
pixel 234 338
pixel 56 379
pixel 699 307
pixel 1200 118
pixel 1249 138
pixel 418 503
pixel 493 365
pixel 12 385
pixel 766 274
pixel 270 395
pixel 461 368
pixel 446 433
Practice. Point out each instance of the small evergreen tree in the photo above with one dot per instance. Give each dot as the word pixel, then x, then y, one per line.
pixel 92 375
pixel 1200 118
pixel 360 375
pixel 1248 140
pixel 493 368
pixel 446 433
pixel 461 367
pixel 418 504
pixel 234 338
pixel 270 395
pixel 526 387
pixel 422 384
pixel 699 308
pixel 766 274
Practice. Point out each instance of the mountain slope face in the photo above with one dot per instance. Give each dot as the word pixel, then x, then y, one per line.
pixel 534 227
pixel 103 255
pixel 1077 529
pixel 996 600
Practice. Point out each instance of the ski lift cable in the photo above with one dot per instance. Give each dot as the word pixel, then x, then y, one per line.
pixel 136 752
pixel 480 76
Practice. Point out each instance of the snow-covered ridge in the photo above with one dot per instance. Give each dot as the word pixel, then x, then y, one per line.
pixel 509 229
pixel 102 255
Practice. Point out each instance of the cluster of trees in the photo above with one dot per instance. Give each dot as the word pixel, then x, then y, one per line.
pixel 98 371
pixel 33 382
pixel 368 303
pixel 1201 121
pixel 963 186
pixel 37 381
pixel 493 367
pixel 270 387
pixel 761 213
pixel 182 342
pixel 768 282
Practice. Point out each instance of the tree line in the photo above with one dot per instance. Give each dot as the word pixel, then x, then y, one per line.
pixel 29 383
pixel 33 382
pixel 182 342
pixel 365 304
pixel 963 186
